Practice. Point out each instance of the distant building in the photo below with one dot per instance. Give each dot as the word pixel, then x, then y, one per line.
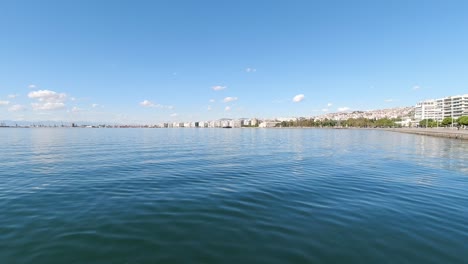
pixel 407 122
pixel 225 123
pixel 268 124
pixel 237 123
pixel 253 122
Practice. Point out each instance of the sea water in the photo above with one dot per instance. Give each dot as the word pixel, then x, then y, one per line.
pixel 75 195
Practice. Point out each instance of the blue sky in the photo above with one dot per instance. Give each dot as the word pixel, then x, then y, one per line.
pixel 154 61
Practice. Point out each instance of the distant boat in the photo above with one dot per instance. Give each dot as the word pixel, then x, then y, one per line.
pixel 227 126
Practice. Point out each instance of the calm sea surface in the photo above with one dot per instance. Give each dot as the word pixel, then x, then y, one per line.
pixel 231 196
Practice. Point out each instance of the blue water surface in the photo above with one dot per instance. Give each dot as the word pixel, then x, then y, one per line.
pixel 75 195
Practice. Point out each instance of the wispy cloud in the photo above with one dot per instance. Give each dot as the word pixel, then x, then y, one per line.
pixel 229 99
pixel 298 98
pixel 12 96
pixel 343 109
pixel 324 110
pixel 212 100
pixel 3 103
pixel 47 100
pixel 16 108
pixel 149 104
pixel 75 109
pixel 218 88
pixel 250 69
pixel 227 108
pixel 32 86
pixel 174 114
pixel 416 87
pixel 329 104
pixel 388 100
pixel 209 108
pixel 94 105
pixel 47 106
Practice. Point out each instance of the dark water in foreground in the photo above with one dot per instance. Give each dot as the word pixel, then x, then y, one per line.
pixel 231 196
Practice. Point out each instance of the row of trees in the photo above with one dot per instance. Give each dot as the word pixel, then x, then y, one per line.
pixel 448 121
pixel 351 122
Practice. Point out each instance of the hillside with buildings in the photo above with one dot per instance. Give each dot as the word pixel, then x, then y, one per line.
pixel 400 112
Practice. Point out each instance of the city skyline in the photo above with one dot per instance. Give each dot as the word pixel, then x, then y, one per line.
pixel 151 62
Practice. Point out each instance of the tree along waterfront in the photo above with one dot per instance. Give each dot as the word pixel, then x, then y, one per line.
pixel 446 122
pixel 351 122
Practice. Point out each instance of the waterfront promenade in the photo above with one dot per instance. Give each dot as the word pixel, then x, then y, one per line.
pixel 436 132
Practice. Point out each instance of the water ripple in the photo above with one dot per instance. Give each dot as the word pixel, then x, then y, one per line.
pixel 231 196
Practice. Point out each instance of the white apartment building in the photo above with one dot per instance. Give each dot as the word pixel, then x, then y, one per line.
pixel 429 109
pixel 253 122
pixel 236 123
pixel 455 106
pixel 268 124
pixel 438 109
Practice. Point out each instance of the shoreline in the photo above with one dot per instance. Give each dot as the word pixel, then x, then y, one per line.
pixel 434 132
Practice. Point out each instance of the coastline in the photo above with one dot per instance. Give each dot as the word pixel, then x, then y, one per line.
pixel 441 132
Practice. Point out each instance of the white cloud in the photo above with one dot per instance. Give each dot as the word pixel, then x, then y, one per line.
pixel 94 105
pixel 12 96
pixel 389 100
pixel 212 100
pixel 48 96
pixel 16 108
pixel 209 108
pixel 147 103
pixel 174 114
pixel 47 106
pixel 229 99
pixel 416 87
pixel 73 99
pixel 324 110
pixel 250 70
pixel 298 98
pixel 343 109
pixel 329 104
pixel 3 103
pixel 32 86
pixel 75 109
pixel 227 108
pixel 218 87
pixel 47 100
